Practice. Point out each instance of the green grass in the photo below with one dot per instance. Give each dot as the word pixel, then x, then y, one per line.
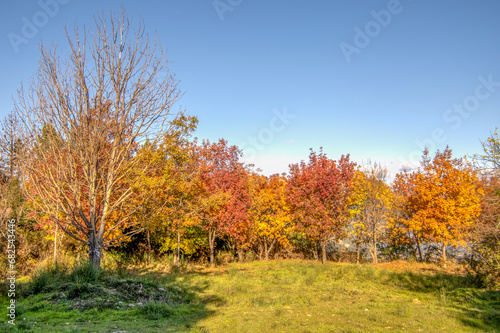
pixel 279 296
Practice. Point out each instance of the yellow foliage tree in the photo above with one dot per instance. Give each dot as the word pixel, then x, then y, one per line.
pixel 371 207
pixel 168 189
pixel 270 212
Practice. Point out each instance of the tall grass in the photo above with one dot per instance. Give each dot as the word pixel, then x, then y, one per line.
pixel 50 278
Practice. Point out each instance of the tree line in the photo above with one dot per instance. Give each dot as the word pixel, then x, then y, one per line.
pixel 95 153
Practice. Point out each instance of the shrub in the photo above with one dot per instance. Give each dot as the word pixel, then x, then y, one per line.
pixel 224 258
pixel 42 280
pixel 156 310
pixel 84 272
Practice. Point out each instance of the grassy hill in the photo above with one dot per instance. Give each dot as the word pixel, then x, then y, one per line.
pixel 276 296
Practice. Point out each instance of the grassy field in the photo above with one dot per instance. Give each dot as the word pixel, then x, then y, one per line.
pixel 277 296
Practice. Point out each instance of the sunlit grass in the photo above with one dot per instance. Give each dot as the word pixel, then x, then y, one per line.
pixel 307 296
pixel 282 296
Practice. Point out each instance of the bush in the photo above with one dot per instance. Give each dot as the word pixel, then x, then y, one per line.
pixel 43 280
pixel 484 270
pixel 250 256
pixel 77 281
pixel 84 272
pixel 224 258
pixel 156 310
pixel 40 280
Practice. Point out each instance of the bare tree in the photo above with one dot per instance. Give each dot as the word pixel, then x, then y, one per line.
pixel 10 200
pixel 83 120
pixel 6 167
pixel 9 144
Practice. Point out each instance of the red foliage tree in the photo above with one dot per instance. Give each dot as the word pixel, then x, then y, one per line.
pixel 224 194
pixel 318 193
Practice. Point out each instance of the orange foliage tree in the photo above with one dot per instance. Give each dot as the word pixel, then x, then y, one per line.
pixel 440 201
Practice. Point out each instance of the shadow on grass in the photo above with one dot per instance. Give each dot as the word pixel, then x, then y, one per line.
pixel 428 282
pixel 475 307
pixel 479 309
pixel 77 296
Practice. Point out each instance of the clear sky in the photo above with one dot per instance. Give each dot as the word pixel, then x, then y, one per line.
pixel 375 79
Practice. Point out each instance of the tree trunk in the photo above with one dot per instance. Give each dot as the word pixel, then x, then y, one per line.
pixel 149 250
pixel 374 246
pixel 211 240
pixel 55 247
pixel 177 256
pixel 315 251
pixel 260 251
pixel 358 252
pixel 240 254
pixel 444 255
pixel 323 252
pixel 269 249
pixel 78 254
pixel 95 252
pixel 419 250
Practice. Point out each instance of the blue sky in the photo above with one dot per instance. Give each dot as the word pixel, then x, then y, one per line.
pixel 375 79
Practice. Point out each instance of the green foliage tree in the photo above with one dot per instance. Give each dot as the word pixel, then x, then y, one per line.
pixel 30 243
pixel 486 235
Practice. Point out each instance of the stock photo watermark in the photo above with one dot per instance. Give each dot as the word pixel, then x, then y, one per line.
pixel 221 7
pixel 363 36
pixel 31 25
pixel 454 115
pixel 253 144
pixel 11 273
pixel 470 104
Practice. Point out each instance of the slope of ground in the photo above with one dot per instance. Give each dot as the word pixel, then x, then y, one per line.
pixel 277 296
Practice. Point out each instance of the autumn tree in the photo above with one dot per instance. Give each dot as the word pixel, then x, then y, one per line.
pixel 486 234
pixel 371 206
pixel 109 95
pixel 441 200
pixel 270 213
pixel 223 194
pixel 168 188
pixel 317 193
